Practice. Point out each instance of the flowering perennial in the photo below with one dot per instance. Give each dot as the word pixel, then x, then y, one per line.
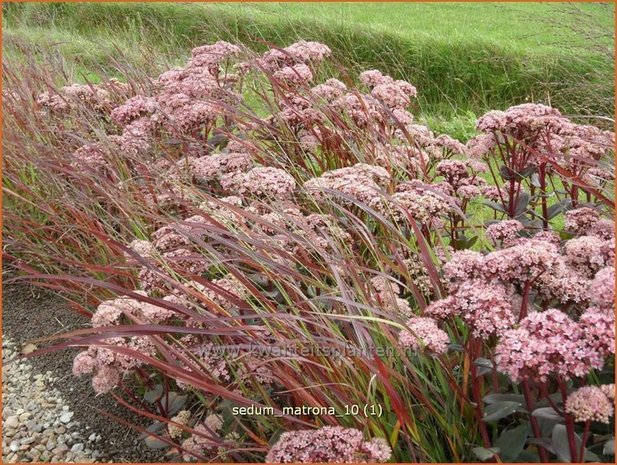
pixel 329 444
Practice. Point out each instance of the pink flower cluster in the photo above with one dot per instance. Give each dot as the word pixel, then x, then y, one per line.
pixel 109 364
pixel 214 166
pixel 361 182
pixel 590 403
pixel 545 344
pixel 463 177
pixel 98 97
pixel 387 293
pixel 106 361
pixel 581 220
pixel 540 133
pixel 185 100
pixel 598 326
pixel 226 287
pixel 602 288
pixel 210 56
pixel 329 444
pixel 588 254
pixel 329 90
pixel 294 75
pixel 423 206
pixel 424 334
pixel 265 182
pixel 485 307
pixel 522 263
pixel 518 118
pixel 392 93
pixel 204 441
pixel 300 52
pixel 203 360
pixel 504 233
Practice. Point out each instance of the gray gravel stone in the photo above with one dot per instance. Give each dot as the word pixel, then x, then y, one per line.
pixel 36 422
pixel 11 422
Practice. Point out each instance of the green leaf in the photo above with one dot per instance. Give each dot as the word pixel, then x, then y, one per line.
pixel 506 173
pixel 547 443
pixel 558 208
pixel 492 398
pixel 606 376
pixel 535 180
pixel 512 442
pixel 153 428
pixel 175 403
pixel 483 454
pixel 547 413
pixel 521 203
pixel 456 347
pixel 609 447
pixel 471 241
pixel 155 443
pixel 560 443
pixel 555 398
pixel 529 456
pixel 484 366
pixel 528 171
pixel 590 456
pixel 495 206
pixel 483 362
pixel 463 242
pixel 154 394
pixel 562 449
pixel 500 410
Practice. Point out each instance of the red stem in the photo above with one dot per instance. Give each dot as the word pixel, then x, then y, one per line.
pixel 535 427
pixel 476 393
pixel 581 457
pixel 569 422
pixel 525 302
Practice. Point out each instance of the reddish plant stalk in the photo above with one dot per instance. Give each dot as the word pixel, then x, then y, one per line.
pixel 535 427
pixel 581 456
pixel 569 422
pixel 476 393
pixel 529 400
pixel 525 301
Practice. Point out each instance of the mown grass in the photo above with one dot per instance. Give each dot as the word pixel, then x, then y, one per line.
pixel 464 59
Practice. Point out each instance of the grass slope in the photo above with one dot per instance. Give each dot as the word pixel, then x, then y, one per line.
pixel 464 58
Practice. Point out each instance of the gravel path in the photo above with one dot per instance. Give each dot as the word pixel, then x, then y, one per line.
pixel 37 425
pixel 45 388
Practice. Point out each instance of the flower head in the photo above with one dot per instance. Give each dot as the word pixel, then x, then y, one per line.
pixel 424 334
pixel 546 343
pixel 602 289
pixel 590 403
pixel 328 444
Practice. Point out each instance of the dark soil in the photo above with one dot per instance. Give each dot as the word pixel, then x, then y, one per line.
pixel 29 313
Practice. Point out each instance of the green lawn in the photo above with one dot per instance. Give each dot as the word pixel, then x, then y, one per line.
pixel 528 27
pixel 464 58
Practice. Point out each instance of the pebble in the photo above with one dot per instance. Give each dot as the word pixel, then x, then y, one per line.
pixel 11 422
pixel 77 447
pixel 37 424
